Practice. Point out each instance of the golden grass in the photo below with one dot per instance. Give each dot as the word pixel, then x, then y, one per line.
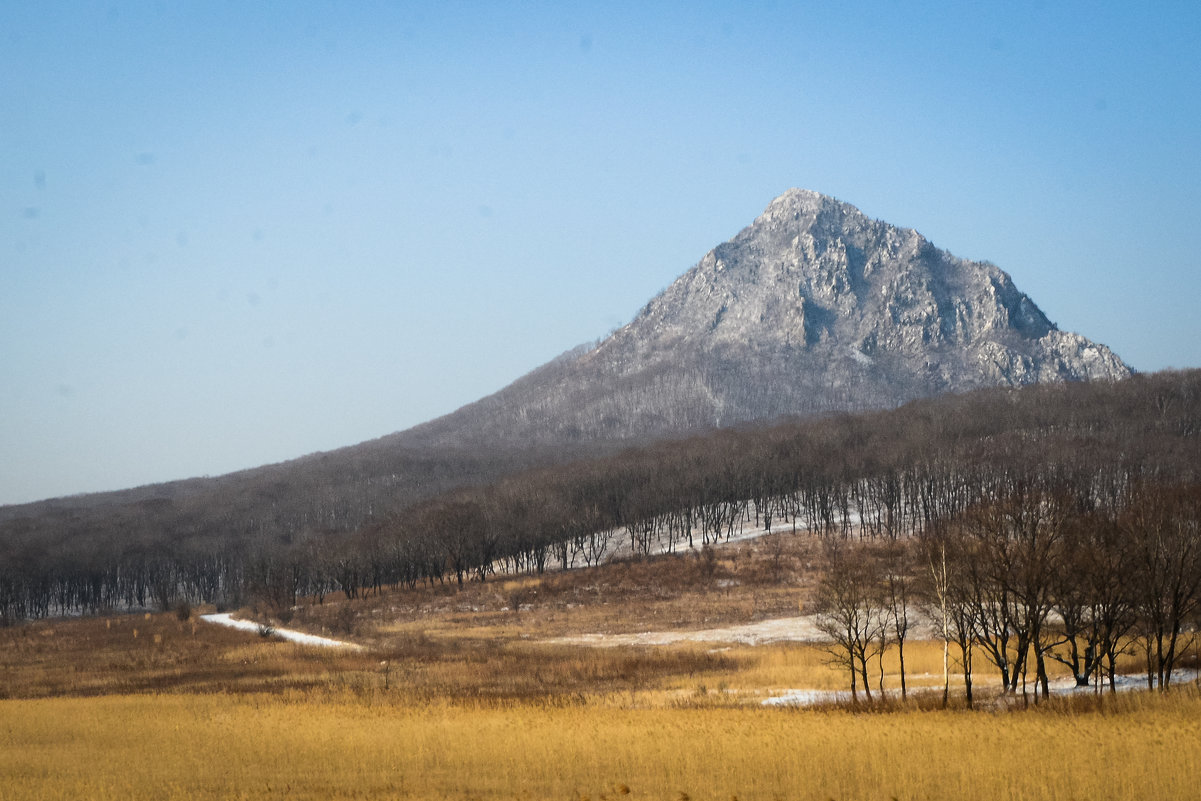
pixel 340 747
pixel 807 665
pixel 460 699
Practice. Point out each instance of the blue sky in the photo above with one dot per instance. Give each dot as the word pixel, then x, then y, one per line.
pixel 235 233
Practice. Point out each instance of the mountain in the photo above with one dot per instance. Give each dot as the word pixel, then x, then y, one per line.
pixel 812 308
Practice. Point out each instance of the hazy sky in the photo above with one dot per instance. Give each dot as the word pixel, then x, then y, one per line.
pixel 235 233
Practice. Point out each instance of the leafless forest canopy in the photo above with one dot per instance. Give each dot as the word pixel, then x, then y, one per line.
pixel 1002 509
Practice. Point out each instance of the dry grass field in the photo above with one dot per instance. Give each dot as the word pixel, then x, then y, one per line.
pixel 295 745
pixel 459 696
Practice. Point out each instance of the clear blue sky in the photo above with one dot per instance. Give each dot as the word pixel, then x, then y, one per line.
pixel 233 233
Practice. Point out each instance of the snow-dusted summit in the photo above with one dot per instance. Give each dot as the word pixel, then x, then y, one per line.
pixel 814 307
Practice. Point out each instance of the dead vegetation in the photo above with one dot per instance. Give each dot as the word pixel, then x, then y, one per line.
pixel 482 640
pixel 767 577
pixel 460 696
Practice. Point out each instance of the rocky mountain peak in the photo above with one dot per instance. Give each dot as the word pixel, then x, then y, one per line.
pixel 814 274
pixel 813 307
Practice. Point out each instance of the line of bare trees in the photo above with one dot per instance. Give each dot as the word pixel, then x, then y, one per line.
pixel 931 466
pixel 1041 573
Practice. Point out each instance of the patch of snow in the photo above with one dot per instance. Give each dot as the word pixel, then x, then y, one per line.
pixel 784 629
pixel 745 532
pixel 809 698
pixel 862 357
pixel 619 546
pixel 1064 685
pixel 291 635
pixel 1123 683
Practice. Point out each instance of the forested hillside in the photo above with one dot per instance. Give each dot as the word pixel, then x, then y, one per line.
pixel 812 309
pixel 1100 448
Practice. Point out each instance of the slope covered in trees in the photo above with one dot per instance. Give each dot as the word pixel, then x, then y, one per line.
pixel 812 309
pixel 891 474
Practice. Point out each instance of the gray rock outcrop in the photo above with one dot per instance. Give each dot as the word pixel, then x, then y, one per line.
pixel 812 308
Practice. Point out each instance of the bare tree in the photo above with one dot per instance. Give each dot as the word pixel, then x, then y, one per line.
pixel 897 588
pixel 1164 525
pixel 850 610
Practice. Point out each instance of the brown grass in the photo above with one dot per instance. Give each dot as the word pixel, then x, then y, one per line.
pixel 460 698
pixel 89 657
pixel 289 746
pixel 155 653
pixel 764 578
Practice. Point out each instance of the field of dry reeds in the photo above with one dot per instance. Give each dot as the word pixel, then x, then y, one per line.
pixel 295 745
pixel 460 695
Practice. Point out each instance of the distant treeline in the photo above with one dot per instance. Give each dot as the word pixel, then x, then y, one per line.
pixel 886 475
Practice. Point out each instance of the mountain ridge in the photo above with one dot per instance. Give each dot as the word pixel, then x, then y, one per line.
pixel 812 308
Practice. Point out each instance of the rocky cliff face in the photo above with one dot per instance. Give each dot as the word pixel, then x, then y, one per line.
pixel 812 308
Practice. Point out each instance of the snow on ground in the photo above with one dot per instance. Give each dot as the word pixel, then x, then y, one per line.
pixel 784 629
pixel 621 548
pixel 1123 683
pixel 861 357
pixel 804 629
pixel 1060 686
pixel 291 635
pixel 810 698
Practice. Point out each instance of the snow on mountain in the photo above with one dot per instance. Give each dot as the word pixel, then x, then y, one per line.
pixel 812 308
